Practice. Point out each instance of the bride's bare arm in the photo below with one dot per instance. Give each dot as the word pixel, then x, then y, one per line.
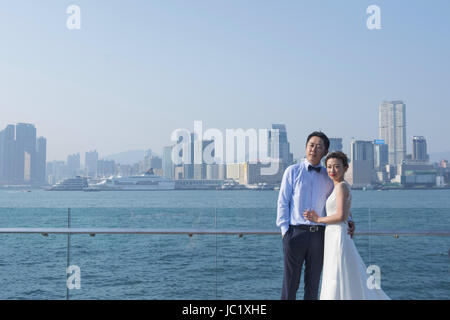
pixel 342 193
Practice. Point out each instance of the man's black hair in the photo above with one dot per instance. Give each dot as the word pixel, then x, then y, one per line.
pixel 322 136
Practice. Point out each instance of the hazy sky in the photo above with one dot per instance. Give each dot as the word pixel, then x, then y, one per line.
pixel 137 70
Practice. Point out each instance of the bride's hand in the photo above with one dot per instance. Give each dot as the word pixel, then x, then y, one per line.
pixel 311 215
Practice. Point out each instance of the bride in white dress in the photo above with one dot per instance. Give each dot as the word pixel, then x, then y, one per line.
pixel 344 274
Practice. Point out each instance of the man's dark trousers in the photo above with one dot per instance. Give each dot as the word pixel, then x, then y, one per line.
pixel 303 243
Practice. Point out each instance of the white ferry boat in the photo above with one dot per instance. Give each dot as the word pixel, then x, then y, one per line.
pixel 72 184
pixel 145 182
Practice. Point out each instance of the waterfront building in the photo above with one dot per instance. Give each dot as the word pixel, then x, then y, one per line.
pixel 415 175
pixel 361 167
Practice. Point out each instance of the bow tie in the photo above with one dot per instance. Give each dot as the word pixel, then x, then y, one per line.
pixel 310 167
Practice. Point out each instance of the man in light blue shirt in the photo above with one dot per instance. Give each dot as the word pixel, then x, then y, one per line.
pixel 305 187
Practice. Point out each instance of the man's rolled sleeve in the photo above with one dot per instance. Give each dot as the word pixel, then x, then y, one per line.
pixel 284 201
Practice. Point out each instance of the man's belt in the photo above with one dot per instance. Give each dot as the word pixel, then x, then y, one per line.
pixel 309 227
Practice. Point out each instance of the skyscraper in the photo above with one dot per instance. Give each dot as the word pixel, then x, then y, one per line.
pixel 392 126
pixel 419 152
pixel 362 151
pixel 22 156
pixel 25 152
pixel 381 154
pixel 7 154
pixel 91 159
pixel 39 174
pixel 279 149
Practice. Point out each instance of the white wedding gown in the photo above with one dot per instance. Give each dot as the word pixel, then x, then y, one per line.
pixel 344 274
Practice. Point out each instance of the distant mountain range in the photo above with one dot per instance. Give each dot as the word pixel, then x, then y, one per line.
pixel 128 157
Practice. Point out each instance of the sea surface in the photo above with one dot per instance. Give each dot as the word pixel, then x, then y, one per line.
pixel 205 266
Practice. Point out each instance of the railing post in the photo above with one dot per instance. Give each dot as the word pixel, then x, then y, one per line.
pixel 370 230
pixel 215 228
pixel 68 252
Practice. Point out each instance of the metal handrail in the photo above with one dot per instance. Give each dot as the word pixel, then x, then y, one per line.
pixel 190 232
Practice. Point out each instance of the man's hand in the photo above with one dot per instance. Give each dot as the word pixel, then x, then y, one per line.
pixel 351 228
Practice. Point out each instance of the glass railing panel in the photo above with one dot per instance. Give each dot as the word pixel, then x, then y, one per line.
pixel 32 266
pixel 144 266
pixel 174 266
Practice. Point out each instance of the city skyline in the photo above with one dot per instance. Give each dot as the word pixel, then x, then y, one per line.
pixel 346 146
pixel 23 157
pixel 126 86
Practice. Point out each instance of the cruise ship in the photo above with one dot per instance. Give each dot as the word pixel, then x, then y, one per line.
pixel 145 182
pixel 72 184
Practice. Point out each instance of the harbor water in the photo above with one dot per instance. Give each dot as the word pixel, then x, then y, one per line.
pixel 161 266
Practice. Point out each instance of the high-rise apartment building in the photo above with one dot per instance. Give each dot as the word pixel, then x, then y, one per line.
pixel 392 129
pixel 25 151
pixel 22 156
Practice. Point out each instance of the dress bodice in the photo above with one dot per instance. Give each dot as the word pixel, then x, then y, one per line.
pixel 331 202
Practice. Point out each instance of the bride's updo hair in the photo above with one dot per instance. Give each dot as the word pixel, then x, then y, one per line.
pixel 337 155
